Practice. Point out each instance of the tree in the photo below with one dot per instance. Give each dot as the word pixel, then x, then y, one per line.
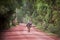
pixel 7 10
pixel 48 12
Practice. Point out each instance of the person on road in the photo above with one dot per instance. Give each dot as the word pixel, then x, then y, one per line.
pixel 29 25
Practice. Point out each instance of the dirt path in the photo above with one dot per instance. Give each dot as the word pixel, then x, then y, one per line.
pixel 20 33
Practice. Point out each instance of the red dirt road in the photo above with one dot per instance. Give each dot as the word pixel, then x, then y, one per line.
pixel 20 33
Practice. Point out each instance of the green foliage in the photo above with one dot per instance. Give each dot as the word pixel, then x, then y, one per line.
pixel 7 10
pixel 47 15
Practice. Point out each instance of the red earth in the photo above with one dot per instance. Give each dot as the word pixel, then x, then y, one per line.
pixel 20 33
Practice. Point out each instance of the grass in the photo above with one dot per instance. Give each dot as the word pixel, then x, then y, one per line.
pixel 48 32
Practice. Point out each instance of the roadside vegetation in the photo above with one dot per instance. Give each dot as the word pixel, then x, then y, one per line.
pixel 45 14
